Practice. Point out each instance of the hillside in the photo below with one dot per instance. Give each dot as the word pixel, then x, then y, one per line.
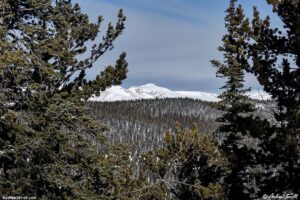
pixel 144 122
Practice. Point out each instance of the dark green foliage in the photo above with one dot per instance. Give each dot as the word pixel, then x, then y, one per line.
pixel 243 132
pixel 188 166
pixel 49 147
pixel 234 101
pixel 276 64
pixel 115 179
pixel 264 157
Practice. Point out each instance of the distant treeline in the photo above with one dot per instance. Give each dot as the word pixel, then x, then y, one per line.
pixel 143 123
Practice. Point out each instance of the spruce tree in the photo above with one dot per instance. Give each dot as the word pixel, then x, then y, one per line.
pixel 276 64
pixel 49 147
pixel 240 131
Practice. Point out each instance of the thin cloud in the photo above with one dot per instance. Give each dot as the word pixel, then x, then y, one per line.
pixel 172 50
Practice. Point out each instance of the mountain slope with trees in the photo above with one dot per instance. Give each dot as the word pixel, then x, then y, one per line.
pixel 144 122
pixel 53 144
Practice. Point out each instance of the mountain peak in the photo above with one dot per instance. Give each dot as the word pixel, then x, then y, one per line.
pixel 152 91
pixel 149 85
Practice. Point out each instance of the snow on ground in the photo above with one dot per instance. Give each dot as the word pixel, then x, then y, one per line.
pixel 152 91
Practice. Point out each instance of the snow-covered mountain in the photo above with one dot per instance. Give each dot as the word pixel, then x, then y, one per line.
pixel 151 91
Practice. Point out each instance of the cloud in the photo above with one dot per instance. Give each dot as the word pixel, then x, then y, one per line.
pixel 191 11
pixel 169 43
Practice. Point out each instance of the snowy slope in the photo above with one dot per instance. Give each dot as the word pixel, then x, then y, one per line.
pixel 151 91
pixel 199 95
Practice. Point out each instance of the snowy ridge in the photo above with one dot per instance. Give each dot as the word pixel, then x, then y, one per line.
pixel 151 91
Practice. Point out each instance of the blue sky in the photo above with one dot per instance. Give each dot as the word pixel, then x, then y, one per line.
pixel 169 42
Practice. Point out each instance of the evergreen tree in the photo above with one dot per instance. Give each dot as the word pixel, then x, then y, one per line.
pixel 189 166
pixel 276 64
pixel 49 147
pixel 239 129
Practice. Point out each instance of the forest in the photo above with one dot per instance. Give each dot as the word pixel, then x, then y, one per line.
pixel 55 144
pixel 143 123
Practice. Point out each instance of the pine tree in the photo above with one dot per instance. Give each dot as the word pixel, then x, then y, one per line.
pixel 188 166
pixel 241 132
pixel 276 64
pixel 49 147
